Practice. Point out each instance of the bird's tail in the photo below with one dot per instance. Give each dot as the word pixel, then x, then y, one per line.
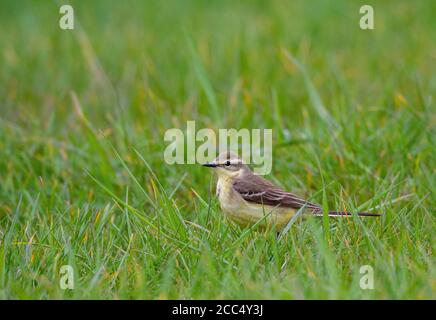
pixel 347 214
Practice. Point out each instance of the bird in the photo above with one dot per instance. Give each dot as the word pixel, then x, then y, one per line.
pixel 248 199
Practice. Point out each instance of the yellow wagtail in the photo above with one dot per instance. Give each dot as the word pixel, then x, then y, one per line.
pixel 246 197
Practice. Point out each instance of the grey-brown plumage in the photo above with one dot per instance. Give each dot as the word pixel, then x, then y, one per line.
pixel 255 189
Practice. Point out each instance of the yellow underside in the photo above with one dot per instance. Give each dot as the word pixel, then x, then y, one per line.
pixel 269 216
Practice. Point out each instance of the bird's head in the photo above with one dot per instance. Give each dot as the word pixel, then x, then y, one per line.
pixel 228 164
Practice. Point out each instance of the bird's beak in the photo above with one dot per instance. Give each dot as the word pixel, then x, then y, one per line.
pixel 210 165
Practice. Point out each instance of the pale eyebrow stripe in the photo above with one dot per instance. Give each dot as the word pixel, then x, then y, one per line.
pixel 235 161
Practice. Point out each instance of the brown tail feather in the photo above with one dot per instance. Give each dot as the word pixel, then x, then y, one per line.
pixel 347 214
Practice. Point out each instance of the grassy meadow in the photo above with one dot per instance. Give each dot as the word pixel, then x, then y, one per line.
pixel 83 114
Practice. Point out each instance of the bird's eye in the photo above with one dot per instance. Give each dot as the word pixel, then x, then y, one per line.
pixel 227 163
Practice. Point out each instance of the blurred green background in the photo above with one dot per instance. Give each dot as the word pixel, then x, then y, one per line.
pixel 84 112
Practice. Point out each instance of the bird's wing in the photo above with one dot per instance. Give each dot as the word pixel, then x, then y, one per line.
pixel 258 190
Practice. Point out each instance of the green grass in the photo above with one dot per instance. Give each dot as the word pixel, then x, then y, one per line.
pixel 83 115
